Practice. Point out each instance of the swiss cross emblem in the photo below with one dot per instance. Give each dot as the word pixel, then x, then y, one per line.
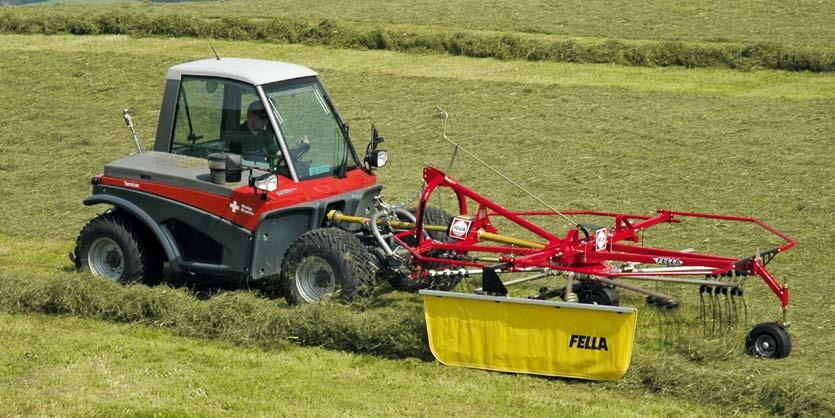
pixel 234 206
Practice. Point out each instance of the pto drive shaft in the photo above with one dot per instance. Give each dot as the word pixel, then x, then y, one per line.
pixel 336 216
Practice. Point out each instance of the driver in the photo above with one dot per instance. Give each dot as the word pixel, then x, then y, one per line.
pixel 255 136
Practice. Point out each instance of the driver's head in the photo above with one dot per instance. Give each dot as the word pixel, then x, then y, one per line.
pixel 256 117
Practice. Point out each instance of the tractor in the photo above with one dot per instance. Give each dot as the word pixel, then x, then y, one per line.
pixel 207 200
pixel 254 182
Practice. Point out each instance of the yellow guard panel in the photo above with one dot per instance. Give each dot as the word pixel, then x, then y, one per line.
pixel 529 336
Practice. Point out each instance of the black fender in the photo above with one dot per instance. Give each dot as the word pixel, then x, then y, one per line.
pixel 276 231
pixel 166 242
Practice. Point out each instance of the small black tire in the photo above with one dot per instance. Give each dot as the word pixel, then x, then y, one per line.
pixel 325 262
pixel 116 247
pixel 769 340
pixel 596 294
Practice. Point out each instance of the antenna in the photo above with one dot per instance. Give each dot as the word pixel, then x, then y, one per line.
pixel 445 115
pixel 213 50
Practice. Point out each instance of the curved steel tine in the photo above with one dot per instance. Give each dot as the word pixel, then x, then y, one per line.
pixel 702 307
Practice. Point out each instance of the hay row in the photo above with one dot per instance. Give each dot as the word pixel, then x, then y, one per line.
pixel 471 44
pixel 392 327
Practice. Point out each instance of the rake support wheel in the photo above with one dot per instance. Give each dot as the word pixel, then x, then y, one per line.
pixel 769 340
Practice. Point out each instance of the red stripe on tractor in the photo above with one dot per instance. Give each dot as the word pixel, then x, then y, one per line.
pixel 245 206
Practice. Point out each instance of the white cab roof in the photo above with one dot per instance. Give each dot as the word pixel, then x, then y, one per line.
pixel 243 69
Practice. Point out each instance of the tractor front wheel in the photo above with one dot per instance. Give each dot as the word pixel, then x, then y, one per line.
pixel 115 247
pixel 326 262
pixel 769 340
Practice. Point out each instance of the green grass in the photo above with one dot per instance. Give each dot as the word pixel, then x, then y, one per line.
pixel 236 23
pixel 60 366
pixel 794 23
pixel 592 136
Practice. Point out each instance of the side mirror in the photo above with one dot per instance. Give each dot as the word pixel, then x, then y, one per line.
pixel 225 168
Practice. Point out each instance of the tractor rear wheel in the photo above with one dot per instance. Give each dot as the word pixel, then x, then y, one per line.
pixel 115 247
pixel 769 340
pixel 431 216
pixel 596 294
pixel 325 262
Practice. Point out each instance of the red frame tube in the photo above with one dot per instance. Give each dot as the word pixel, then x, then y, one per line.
pixel 571 252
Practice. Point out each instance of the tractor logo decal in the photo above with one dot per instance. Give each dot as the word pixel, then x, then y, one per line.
pixel 588 342
pixel 460 227
pixel 246 210
pixel 131 185
pixel 668 261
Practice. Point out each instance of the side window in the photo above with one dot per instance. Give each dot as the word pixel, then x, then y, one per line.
pixel 213 116
pixel 199 117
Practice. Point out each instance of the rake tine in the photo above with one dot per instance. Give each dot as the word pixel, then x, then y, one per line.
pixel 734 306
pixel 744 305
pixel 717 293
pixel 702 290
pixel 729 315
pixel 734 289
pixel 713 316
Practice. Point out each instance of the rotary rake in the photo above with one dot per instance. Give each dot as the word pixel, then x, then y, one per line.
pixel 591 339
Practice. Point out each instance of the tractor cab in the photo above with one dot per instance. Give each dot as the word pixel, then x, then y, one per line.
pixel 276 116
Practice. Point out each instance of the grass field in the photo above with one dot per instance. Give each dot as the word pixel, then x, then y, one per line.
pixel 492 31
pixel 90 368
pixel 797 23
pixel 595 136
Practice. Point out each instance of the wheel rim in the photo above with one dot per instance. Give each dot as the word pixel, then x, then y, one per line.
pixel 765 346
pixel 315 279
pixel 106 259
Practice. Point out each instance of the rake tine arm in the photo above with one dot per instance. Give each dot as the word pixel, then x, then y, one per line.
pixel 635 289
pixel 790 242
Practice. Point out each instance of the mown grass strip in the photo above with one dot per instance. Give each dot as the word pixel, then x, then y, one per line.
pixel 503 46
pixel 394 328
pixel 75 367
pixel 704 81
pixel 237 317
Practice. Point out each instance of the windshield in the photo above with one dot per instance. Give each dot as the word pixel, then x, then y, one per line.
pixel 317 143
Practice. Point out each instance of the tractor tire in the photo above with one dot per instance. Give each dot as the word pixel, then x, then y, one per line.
pixel 431 216
pixel 436 216
pixel 116 247
pixel 769 340
pixel 596 294
pixel 325 262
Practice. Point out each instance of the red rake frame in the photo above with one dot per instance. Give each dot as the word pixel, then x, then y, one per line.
pixel 580 254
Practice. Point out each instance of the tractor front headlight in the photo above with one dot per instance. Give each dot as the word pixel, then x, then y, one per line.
pixel 378 158
pixel 267 183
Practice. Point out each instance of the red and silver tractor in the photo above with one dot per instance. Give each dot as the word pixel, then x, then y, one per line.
pixel 253 180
